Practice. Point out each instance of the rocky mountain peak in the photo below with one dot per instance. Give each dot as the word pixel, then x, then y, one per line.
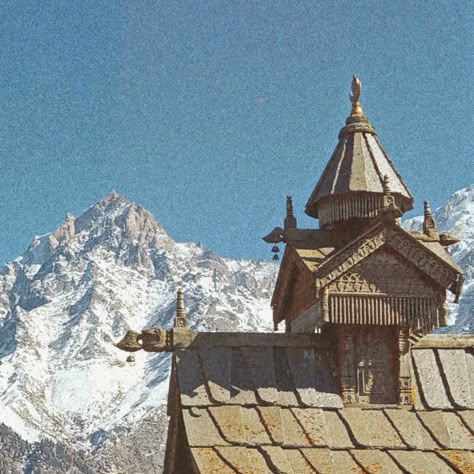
pixel 78 289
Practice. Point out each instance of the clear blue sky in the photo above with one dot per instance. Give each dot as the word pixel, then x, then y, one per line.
pixel 208 113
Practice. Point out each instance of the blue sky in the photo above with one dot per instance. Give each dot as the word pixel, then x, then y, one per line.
pixel 208 113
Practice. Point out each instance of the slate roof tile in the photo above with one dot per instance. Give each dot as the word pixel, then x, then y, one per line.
pixel 468 418
pixel 460 460
pixel 192 386
pixel 411 430
pixel 314 425
pixel 200 428
pixel 338 435
pixel 448 429
pixel 287 395
pixel 242 382
pixel 371 428
pixel 375 461
pixel 260 363
pixel 228 420
pixel 244 460
pixel 210 462
pixel 257 433
pixel 429 381
pixel 421 462
pixel 325 461
pixel 240 426
pixel 216 365
pixel 458 368
pixel 313 383
pixel 271 419
pixel 294 435
pixel 289 461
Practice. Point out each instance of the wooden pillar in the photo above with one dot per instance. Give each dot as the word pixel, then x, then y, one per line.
pixel 347 365
pixel 404 378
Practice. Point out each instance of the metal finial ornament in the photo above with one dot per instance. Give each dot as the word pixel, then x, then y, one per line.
pixel 354 95
pixel 180 320
pixel 290 220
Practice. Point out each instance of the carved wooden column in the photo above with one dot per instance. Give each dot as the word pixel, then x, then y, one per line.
pixel 347 365
pixel 404 379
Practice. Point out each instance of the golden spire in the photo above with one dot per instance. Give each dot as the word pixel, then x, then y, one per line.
pixel 354 96
pixel 180 320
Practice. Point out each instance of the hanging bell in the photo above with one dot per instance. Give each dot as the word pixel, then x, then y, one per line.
pixel 275 249
pixel 130 359
pixel 275 257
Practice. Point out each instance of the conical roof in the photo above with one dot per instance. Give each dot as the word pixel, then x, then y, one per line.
pixel 359 164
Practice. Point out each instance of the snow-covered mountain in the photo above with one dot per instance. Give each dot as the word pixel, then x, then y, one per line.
pixel 457 217
pixel 76 291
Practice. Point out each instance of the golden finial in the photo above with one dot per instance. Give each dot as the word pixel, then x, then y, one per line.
pixel 180 320
pixel 354 96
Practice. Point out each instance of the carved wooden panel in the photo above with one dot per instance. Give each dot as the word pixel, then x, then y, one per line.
pixel 400 242
pixel 375 360
pixel 384 272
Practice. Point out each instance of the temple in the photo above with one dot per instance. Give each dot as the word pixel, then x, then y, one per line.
pixel 357 382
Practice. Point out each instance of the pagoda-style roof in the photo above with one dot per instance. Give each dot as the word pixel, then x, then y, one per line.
pixel 311 262
pixel 359 164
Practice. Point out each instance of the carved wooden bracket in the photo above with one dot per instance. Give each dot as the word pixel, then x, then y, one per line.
pixel 150 340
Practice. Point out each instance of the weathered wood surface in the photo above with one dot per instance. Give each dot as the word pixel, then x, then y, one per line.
pixel 184 339
pixel 450 341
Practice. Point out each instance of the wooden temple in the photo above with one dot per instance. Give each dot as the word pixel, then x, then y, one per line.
pixel 357 382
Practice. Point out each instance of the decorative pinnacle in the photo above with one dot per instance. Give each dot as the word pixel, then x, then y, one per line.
pixel 289 206
pixel 429 224
pixel 290 220
pixel 354 96
pixel 388 200
pixel 180 320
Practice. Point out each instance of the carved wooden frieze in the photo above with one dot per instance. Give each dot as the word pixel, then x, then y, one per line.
pixel 397 239
pixel 384 273
pixel 421 314
pixel 346 259
pixel 419 256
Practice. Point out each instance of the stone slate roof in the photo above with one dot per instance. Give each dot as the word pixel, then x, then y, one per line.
pixel 358 164
pixel 269 403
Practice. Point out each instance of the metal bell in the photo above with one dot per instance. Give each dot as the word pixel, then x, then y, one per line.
pixel 131 358
pixel 275 257
pixel 275 249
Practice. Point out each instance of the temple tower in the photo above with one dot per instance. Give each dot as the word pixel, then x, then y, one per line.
pixel 360 279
